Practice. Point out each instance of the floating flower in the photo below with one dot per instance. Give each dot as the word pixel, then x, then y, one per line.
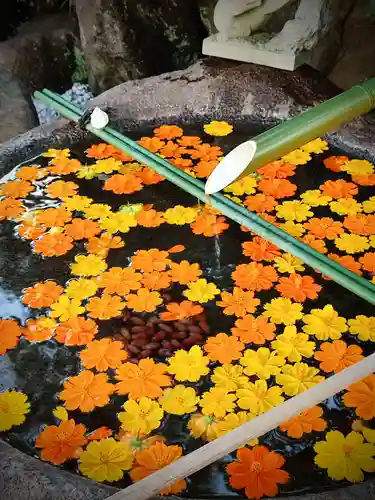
pixel 260 249
pixel 103 244
pixel 209 225
pixel 334 163
pixel 297 378
pixel 339 189
pixel 258 472
pixel 254 330
pixel 64 166
pixel 306 422
pixel 205 168
pixel 246 185
pixel 263 363
pixel 324 323
pixel 13 408
pixel 278 188
pixel 62 443
pixel 360 224
pixel 336 356
pixel 283 311
pixel 154 458
pixel 184 310
pixel 88 265
pixel 369 205
pixel 150 260
pixel 62 189
pixel 105 307
pixel 16 189
pixel 188 365
pixel 258 398
pixel 189 141
pixel 254 276
pixel 168 132
pixel 293 346
pixel 260 203
pixel 150 218
pixel 140 417
pixel 179 401
pixel 368 262
pixel 100 433
pixel 277 170
pixel 364 327
pixel 80 229
pixel 77 203
pixel 65 308
pixel 86 391
pixel 143 301
pixel 297 157
pixel 315 198
pixel 201 291
pixel 10 208
pixel 316 146
pixel 123 184
pixel 61 414
pixel 288 263
pixel 76 331
pixel 57 153
pixel 105 460
pixel 53 217
pixel 359 167
pixel 118 222
pixel 103 354
pixel 31 173
pixel 364 180
pixel 39 330
pixel 239 302
pixel 119 280
pixel 352 243
pixel 315 243
pixel 180 215
pixel 217 402
pixel 205 152
pixel 149 176
pixel 202 427
pixel 218 128
pixel 53 244
pixel 347 261
pixel 324 228
pixel 294 210
pixel 346 206
pixel 361 396
pixel 42 294
pixel 81 288
pixel 229 377
pixel 233 420
pixel 98 211
pixel 223 348
pixel 143 380
pixel 298 288
pixel 184 272
pixel 100 151
pixel 156 280
pixel 106 166
pixel 345 457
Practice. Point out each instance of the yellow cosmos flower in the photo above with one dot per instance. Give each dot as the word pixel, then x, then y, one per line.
pixel 13 409
pixel 179 401
pixel 98 211
pixel 294 229
pixel 118 222
pixel 229 377
pixel 236 199
pixel 76 202
pixel 293 345
pixel 352 243
pixel 346 206
pixel 246 185
pixel 324 324
pixel 188 365
pixel 217 402
pixel 88 265
pixel 202 427
pixel 66 308
pixel 358 167
pixel 315 198
pixel 86 172
pixel 294 211
pixel 201 291
pixel 180 215
pixel 258 397
pixel 369 205
pixel 284 311
pixel 57 153
pixel 81 289
pixel 316 146
pixel 263 363
pixel 141 417
pixel 233 420
pixel 106 460
pixel 297 157
pixel 296 378
pixel 345 457
pixel 364 327
pixel 287 263
pixel 106 166
pixel 61 414
pixel 218 129
pixel 372 241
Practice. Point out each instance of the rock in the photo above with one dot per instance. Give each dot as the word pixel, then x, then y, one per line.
pixel 127 39
pixel 17 114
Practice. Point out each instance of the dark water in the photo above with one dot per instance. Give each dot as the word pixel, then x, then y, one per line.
pixel 39 369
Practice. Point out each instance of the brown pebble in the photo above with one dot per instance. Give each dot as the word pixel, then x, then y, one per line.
pixel 133 349
pixel 138 329
pixel 204 326
pixel 138 342
pixel 166 344
pixel 189 321
pixel 153 319
pixel 145 353
pixel 152 346
pixel 176 344
pixel 136 321
pixel 140 335
pixel 167 297
pixel 188 342
pixel 179 335
pixel 125 333
pixel 164 352
pixel 166 328
pixel 158 337
pixel 180 326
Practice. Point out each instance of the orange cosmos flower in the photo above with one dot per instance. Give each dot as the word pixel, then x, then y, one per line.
pixel 223 348
pixel 153 144
pixel 189 141
pixel 144 300
pixel 339 189
pixel 184 310
pixel 347 261
pixel 254 330
pixel 364 180
pixel 154 458
pixel 76 331
pixel 39 330
pixel 100 433
pixel 277 170
pixel 102 245
pixel 260 249
pixel 123 184
pixel 171 150
pixel 260 203
pixel 361 396
pixel 368 262
pixel 168 132
pixel 335 163
pixel 150 218
pixel 254 276
pixel 278 188
pixel 156 280
pixel 184 272
pixel 53 217
pixel 269 218
pixel 64 166
pixel 16 189
pixel 10 332
pixel 61 443
pixel 143 380
pixel 30 173
pixel 10 208
pixel 103 354
pixel 324 228
pixel 43 294
pixel 298 288
pixel 150 260
pixel 86 391
pixel 205 168
pixel 103 150
pixel 209 225
pixel 205 152
pixel 308 421
pixel 30 232
pixel 257 471
pixel 119 280
pixel 177 249
pixel 181 163
pixel 79 229
pixel 336 355
pixel 62 189
pixel 239 302
pixel 105 307
pixel 316 244
pixel 54 244
pixel 149 176
pixel 360 224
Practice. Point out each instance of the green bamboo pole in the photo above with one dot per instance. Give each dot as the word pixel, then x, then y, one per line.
pixel 320 262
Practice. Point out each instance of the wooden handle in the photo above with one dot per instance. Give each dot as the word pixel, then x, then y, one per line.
pixel 209 453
